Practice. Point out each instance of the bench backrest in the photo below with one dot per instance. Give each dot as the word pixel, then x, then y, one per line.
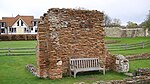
pixel 84 63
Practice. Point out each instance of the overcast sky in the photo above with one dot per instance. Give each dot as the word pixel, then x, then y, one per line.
pixel 125 10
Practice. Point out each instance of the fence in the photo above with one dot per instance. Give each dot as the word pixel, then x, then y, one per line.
pixel 116 47
pixel 110 47
pixel 16 51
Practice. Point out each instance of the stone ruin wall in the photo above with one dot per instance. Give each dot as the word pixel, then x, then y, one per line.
pixel 65 33
pixel 127 32
pixel 112 32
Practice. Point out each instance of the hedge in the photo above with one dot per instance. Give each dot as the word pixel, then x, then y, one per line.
pixel 17 37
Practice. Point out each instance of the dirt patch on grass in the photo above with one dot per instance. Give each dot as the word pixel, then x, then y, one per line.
pixel 112 41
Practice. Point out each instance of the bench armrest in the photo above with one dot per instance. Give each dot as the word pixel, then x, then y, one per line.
pixel 101 64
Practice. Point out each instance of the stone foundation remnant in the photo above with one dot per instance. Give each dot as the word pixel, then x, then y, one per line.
pixel 142 72
pixel 133 80
pixel 122 64
pixel 118 63
pixel 68 33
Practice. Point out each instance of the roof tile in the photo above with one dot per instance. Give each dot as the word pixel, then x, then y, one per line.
pixel 11 20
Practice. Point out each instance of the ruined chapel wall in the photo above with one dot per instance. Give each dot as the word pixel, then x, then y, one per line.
pixel 65 33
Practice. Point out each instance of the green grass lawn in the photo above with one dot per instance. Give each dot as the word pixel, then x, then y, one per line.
pixel 135 64
pixel 12 71
pixel 130 41
pixel 17 44
pixel 132 52
pixel 12 68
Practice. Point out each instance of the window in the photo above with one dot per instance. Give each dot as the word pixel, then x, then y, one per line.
pixel 13 30
pixel 18 23
pixel 32 29
pixel 21 23
pixel 2 30
pixel 35 23
pixel 3 24
pixel 9 29
pixel 25 30
pixel 35 29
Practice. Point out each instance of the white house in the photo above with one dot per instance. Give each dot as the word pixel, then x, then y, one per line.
pixel 19 25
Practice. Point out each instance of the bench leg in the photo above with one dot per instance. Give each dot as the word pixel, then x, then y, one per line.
pixel 104 71
pixel 75 74
pixel 70 74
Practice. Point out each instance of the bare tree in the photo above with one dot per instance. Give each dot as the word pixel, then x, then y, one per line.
pixel 116 22
pixel 107 20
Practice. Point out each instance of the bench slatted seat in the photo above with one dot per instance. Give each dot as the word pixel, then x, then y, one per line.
pixel 85 64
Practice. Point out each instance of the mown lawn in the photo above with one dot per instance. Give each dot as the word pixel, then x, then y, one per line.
pixel 17 44
pixel 12 68
pixel 130 41
pixel 132 52
pixel 12 71
pixel 135 64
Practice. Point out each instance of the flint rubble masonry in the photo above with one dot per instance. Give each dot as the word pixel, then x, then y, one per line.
pixel 65 33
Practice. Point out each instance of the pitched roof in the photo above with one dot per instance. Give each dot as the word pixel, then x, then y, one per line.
pixel 11 20
pixel 27 19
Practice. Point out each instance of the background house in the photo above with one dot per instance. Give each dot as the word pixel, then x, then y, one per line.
pixel 19 25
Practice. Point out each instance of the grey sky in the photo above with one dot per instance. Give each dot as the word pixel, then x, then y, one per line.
pixel 125 10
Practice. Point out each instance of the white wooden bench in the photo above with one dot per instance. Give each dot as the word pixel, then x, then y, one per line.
pixel 85 64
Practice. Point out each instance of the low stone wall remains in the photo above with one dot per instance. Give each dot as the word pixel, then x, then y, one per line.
pixel 139 56
pixel 133 80
pixel 120 32
pixel 31 68
pixel 112 32
pixel 142 72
